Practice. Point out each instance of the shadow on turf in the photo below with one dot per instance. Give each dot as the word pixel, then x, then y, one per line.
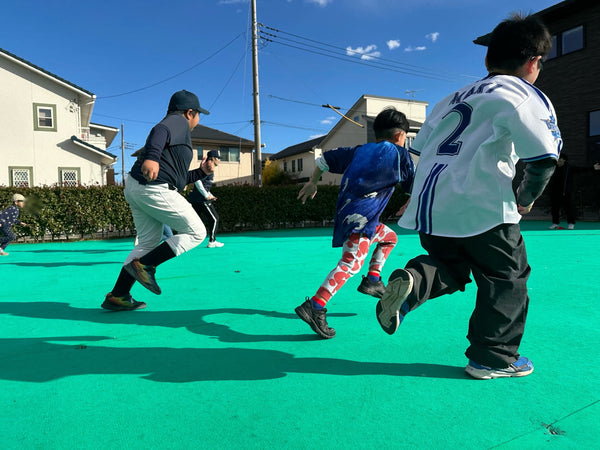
pixel 193 320
pixel 63 263
pixel 41 359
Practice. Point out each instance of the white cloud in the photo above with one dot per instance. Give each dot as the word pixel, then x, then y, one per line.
pixel 366 53
pixel 410 48
pixel 231 2
pixel 328 121
pixel 433 36
pixel 321 3
pixel 393 44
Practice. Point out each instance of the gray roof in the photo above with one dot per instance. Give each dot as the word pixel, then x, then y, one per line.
pixel 299 148
pixel 12 55
pixel 204 133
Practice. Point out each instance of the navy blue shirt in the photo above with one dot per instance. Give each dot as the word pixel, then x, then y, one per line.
pixel 170 145
pixel 8 217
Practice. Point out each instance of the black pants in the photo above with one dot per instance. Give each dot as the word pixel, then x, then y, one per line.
pixel 208 214
pixel 559 201
pixel 498 261
pixel 6 237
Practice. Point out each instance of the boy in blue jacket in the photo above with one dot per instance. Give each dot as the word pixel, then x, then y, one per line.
pixel 371 172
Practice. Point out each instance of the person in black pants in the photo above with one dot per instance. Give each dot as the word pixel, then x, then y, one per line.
pixel 203 201
pixel 561 193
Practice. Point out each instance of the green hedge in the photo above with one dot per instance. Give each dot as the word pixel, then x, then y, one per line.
pixel 59 212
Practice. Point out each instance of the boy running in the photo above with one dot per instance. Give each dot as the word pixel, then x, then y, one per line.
pixel 152 190
pixel 371 172
pixel 463 203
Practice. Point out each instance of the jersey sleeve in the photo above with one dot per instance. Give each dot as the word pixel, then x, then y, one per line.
pixel 534 130
pixel 339 159
pixel 156 142
pixel 406 170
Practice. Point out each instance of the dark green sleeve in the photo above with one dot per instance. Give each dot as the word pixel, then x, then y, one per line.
pixel 537 175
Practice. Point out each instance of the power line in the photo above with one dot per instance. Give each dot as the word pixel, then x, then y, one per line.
pixel 339 53
pixel 228 80
pixel 176 75
pixel 265 122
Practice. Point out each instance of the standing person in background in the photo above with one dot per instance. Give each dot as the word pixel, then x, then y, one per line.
pixel 463 204
pixel 562 193
pixel 8 218
pixel 203 201
pixel 153 192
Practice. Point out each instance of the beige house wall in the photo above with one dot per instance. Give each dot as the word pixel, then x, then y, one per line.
pixel 227 172
pixel 44 151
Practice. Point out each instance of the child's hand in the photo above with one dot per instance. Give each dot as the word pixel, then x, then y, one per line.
pixel 308 191
pixel 150 170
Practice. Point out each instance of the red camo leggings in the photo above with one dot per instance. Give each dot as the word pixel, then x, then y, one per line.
pixel 355 251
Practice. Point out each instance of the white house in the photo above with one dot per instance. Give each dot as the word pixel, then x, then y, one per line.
pixel 47 137
pixel 236 166
pixel 299 160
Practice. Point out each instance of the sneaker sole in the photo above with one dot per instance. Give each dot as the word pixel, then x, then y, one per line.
pixel 300 312
pixel 389 306
pixel 482 374
pixel 112 307
pixel 131 271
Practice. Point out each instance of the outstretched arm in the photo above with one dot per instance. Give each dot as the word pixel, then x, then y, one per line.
pixel 310 188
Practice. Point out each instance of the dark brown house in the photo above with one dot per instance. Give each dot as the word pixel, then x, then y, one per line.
pixel 570 79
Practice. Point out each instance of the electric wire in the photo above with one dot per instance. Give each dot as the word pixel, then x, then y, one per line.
pixel 175 75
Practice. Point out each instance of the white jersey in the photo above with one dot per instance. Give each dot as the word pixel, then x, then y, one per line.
pixel 468 148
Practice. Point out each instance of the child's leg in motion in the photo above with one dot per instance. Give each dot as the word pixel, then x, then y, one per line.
pixel 355 251
pixel 386 240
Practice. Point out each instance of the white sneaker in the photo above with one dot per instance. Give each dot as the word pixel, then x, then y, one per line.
pixel 215 244
pixel 3 253
pixel 554 226
pixel 571 226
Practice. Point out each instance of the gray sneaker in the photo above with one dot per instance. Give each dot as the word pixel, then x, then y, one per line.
pixel 392 307
pixel 520 368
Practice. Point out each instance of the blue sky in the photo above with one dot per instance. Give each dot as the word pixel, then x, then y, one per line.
pixel 114 47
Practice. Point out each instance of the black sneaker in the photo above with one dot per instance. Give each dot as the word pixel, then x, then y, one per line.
pixel 126 303
pixel 144 275
pixel 374 288
pixel 316 319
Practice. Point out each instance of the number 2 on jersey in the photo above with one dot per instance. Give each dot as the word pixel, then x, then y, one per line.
pixel 451 145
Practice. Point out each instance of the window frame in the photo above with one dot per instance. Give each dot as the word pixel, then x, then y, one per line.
pixel 562 40
pixel 300 165
pixel 225 152
pixel 29 169
pixel 36 117
pixel 589 130
pixel 77 170
pixel 558 42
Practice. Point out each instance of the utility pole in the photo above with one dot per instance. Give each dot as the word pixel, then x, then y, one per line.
pixel 257 139
pixel 122 156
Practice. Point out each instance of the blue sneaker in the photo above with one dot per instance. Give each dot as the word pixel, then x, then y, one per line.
pixel 520 368
pixel 393 306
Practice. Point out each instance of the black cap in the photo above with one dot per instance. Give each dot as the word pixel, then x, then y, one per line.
pixel 213 154
pixel 184 100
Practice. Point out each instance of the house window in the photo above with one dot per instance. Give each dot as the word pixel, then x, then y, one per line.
pixel 594 119
pixel 566 42
pixel 572 40
pixel 69 176
pixel 44 117
pixel 285 166
pixel 21 176
pixel 293 165
pixel 300 166
pixel 200 152
pixel 230 154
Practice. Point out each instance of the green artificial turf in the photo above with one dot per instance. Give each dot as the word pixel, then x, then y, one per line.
pixel 220 360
